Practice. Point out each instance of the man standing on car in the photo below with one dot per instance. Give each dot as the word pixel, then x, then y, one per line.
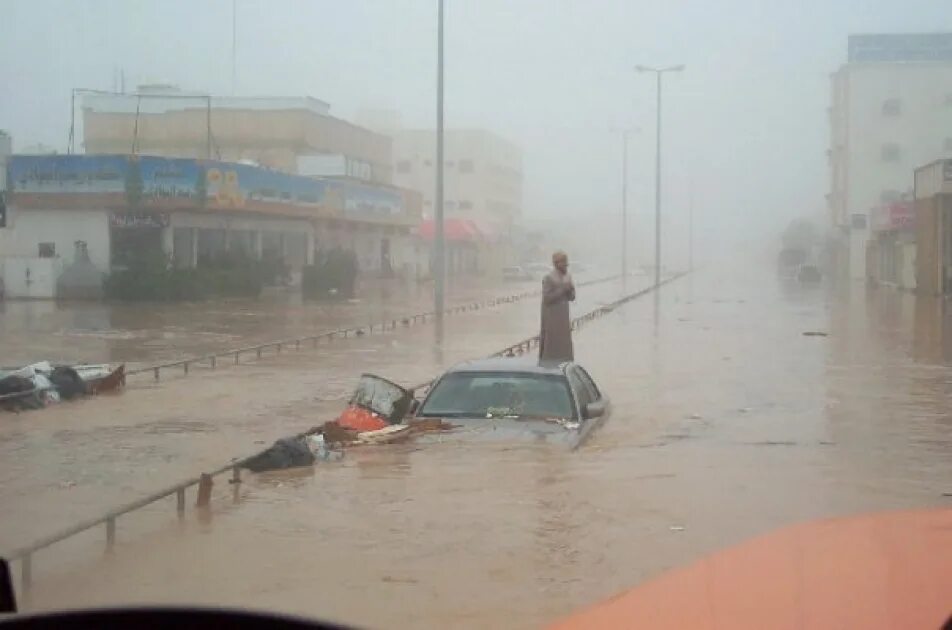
pixel 555 337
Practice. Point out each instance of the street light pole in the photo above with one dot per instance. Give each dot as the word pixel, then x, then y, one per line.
pixel 658 72
pixel 624 206
pixel 439 269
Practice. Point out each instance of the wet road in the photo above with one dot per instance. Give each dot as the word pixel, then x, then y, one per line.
pixel 729 422
pixel 74 461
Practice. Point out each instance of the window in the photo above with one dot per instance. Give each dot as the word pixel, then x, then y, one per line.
pixel 47 250
pixel 581 390
pixel 404 166
pixel 465 166
pixel 890 152
pixel 510 394
pixel 589 383
pixel 466 205
pixel 892 107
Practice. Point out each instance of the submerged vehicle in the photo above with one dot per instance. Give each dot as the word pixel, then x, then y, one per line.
pixel 512 397
pixel 40 384
pixel 500 397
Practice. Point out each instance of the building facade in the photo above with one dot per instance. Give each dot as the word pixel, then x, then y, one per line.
pixel 293 135
pixel 110 209
pixel 482 174
pixel 891 110
pixel 933 216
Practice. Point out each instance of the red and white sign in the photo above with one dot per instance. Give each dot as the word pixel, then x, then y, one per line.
pixel 894 216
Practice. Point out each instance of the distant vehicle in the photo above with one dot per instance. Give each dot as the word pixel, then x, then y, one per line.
pixel 516 274
pixel 556 402
pixel 789 262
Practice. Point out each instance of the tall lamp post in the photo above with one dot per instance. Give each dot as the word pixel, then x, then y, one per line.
pixel 439 266
pixel 658 73
pixel 624 200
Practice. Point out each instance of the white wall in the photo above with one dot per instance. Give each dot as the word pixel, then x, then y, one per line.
pixel 28 228
pixel 924 123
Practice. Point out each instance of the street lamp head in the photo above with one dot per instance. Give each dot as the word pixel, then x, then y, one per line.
pixel 644 69
pixel 678 68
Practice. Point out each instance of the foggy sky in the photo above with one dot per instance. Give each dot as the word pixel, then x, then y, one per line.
pixel 745 124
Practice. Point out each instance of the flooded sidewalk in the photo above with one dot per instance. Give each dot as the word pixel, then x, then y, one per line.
pixel 75 461
pixel 147 333
pixel 728 422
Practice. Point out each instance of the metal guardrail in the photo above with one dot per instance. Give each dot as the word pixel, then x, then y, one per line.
pixel 24 555
pixel 211 360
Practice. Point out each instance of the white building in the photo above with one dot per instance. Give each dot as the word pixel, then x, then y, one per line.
pixel 891 111
pixel 482 174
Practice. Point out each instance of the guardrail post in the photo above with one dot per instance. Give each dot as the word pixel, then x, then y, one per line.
pixel 180 502
pixel 156 372
pixel 259 351
pixel 235 475
pixel 110 532
pixel 236 357
pixel 214 361
pixel 205 484
pixel 185 367
pixel 26 573
pixel 297 344
pixel 278 347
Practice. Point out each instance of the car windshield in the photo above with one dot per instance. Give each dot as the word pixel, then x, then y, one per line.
pixel 499 394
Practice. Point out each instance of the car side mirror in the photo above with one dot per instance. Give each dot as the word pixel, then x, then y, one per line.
pixel 594 410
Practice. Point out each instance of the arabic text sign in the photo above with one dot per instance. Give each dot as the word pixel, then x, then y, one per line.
pixel 138 220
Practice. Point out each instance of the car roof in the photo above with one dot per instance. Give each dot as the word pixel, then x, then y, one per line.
pixel 527 365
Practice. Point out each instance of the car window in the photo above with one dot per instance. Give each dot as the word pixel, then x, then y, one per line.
pixel 582 392
pixel 589 383
pixel 479 394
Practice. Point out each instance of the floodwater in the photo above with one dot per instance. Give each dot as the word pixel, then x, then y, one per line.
pixel 131 333
pixel 74 461
pixel 728 422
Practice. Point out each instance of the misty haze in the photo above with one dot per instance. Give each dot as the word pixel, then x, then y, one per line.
pixel 479 314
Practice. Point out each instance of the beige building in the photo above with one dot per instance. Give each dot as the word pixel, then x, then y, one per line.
pixel 482 175
pixel 294 135
pixel 891 110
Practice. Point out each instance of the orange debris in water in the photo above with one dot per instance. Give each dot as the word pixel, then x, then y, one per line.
pixel 360 419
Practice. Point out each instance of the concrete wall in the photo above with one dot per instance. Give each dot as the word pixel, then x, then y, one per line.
pixel 28 228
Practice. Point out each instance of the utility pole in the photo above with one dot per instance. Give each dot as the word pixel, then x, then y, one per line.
pixel 234 46
pixel 658 72
pixel 624 206
pixel 439 267
pixel 691 229
pixel 624 202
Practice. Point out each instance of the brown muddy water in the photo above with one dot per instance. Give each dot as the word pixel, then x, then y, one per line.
pixel 100 332
pixel 74 461
pixel 728 422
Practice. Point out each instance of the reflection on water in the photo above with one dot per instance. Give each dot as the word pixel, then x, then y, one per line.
pixel 729 422
pixel 97 332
